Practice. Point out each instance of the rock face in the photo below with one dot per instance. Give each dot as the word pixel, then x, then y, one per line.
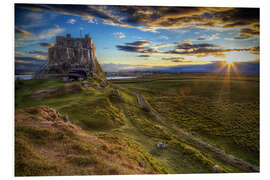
pixel 72 55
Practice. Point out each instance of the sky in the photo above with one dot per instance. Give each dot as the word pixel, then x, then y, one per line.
pixel 157 38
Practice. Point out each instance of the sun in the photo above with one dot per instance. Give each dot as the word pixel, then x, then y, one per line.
pixel 229 61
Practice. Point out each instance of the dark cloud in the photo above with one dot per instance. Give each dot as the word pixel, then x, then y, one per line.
pixel 203 52
pixel 129 48
pixel 21 34
pixel 239 17
pixel 200 39
pixel 204 49
pixel 247 33
pixel 255 50
pixel 140 43
pixel 173 58
pixel 176 59
pixel 47 45
pixel 150 18
pixel 144 55
pixel 85 11
pixel 189 46
pixel 182 48
pixel 137 46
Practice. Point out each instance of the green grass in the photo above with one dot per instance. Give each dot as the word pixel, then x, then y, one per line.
pixel 28 162
pixel 222 112
pixel 211 108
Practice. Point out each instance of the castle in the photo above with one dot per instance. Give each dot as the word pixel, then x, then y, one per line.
pixel 69 42
pixel 71 57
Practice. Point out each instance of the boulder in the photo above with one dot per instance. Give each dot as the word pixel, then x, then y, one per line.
pixel 216 168
pixel 66 119
pixel 161 145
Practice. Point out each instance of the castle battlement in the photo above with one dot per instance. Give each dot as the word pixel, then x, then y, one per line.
pixel 72 57
pixel 70 42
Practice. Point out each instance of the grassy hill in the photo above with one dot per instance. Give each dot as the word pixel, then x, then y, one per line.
pixel 221 112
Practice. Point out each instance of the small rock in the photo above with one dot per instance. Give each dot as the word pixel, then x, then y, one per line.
pixel 96 87
pixel 216 168
pixel 103 84
pixel 64 79
pixel 85 85
pixel 161 145
pixel 66 119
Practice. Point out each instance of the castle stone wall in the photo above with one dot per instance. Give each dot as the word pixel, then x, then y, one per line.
pixel 71 53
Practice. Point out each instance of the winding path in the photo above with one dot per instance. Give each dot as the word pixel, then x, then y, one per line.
pixel 145 106
pixel 227 157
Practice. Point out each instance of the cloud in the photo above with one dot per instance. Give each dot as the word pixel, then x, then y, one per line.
pixel 144 47
pixel 248 33
pixel 29 19
pixel 45 34
pixel 140 43
pixel 18 53
pixel 182 48
pixel 44 44
pixel 49 33
pixel 24 62
pixel 39 52
pixel 21 34
pixel 152 18
pixel 255 50
pixel 137 46
pixel 129 48
pixel 144 55
pixel 204 52
pixel 163 37
pixel 31 58
pixel 201 39
pixel 189 46
pixel 71 21
pixel 119 35
pixel 177 60
pixel 208 37
pixel 25 38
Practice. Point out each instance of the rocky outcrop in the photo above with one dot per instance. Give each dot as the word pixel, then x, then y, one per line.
pixel 71 54
pixel 47 143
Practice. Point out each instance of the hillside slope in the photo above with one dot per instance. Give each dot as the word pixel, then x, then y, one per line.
pixel 46 143
pixel 116 133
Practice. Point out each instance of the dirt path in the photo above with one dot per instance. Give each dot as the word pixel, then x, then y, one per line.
pixel 227 157
pixel 144 105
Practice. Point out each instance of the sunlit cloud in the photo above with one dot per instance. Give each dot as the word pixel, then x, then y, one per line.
pixel 149 18
pixel 119 35
pixel 47 45
pixel 39 52
pixel 49 33
pixel 21 34
pixel 71 21
pixel 147 35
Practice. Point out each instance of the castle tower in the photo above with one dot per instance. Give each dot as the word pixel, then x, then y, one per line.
pixel 71 53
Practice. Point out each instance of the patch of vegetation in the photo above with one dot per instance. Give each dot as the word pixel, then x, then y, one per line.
pixel 211 107
pixel 28 162
pixel 82 160
pixel 142 121
pixel 119 137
